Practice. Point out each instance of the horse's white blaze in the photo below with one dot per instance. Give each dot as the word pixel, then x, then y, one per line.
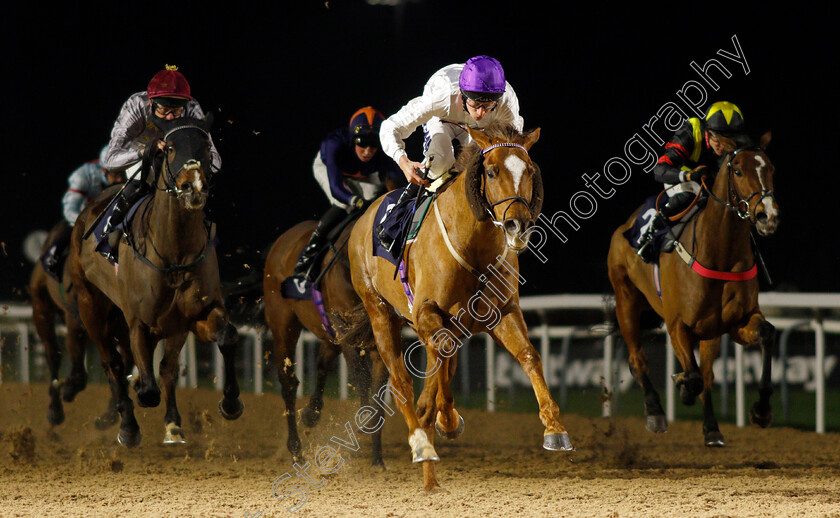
pixel 769 207
pixel 197 181
pixel 516 166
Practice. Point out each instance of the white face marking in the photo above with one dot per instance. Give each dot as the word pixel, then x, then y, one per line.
pixel 769 206
pixel 197 181
pixel 516 166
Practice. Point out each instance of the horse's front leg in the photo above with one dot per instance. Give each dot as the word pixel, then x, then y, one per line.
pixel 436 403
pixel 327 356
pixel 709 351
pixel 216 328
pixel 690 381
pixel 142 348
pixel 173 433
pixel 759 331
pixel 512 334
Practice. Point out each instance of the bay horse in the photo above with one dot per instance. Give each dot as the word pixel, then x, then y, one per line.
pixel 463 272
pixel 708 287
pixel 52 299
pixel 286 317
pixel 166 284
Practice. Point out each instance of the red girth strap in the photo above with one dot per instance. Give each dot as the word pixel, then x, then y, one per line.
pixel 713 274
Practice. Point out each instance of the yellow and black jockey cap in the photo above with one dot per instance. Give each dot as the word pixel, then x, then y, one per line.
pixel 725 118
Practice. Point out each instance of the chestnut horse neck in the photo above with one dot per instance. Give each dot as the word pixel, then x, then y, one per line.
pixel 478 242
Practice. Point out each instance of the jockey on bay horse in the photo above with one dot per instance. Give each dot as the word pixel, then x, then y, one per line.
pixel 167 97
pixel 352 173
pixel 691 156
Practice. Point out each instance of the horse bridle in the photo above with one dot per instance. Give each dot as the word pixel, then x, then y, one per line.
pixel 741 205
pixel 511 199
pixel 190 165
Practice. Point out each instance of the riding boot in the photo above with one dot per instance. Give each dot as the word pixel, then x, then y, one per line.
pixel 646 248
pixel 387 241
pixel 132 193
pixel 53 256
pixel 307 257
pixel 317 240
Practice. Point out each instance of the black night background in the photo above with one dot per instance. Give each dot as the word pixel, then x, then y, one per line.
pixel 279 76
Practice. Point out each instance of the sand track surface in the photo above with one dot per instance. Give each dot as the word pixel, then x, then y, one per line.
pixel 496 468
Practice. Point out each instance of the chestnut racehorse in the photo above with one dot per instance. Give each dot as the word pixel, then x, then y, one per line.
pixel 52 299
pixel 167 283
pixel 464 274
pixel 708 287
pixel 286 317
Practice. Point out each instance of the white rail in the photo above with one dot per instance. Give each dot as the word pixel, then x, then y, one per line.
pixel 17 318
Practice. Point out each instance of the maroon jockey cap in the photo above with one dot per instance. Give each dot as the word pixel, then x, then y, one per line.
pixel 169 83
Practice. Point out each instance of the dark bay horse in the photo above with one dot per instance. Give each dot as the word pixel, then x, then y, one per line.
pixel 167 283
pixel 286 317
pixel 709 287
pixel 464 275
pixel 53 299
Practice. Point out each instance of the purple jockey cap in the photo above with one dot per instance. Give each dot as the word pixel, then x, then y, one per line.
pixel 482 75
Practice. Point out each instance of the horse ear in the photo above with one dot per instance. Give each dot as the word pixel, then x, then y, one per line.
pixel 532 138
pixel 479 137
pixel 208 121
pixel 765 139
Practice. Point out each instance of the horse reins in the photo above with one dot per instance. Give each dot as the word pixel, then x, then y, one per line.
pixel 512 199
pixel 172 189
pixel 734 195
pixel 190 165
pixel 742 208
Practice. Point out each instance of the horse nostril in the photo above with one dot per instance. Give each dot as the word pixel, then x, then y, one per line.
pixel 761 217
pixel 512 226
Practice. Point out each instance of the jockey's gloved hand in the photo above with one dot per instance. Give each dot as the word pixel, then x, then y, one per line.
pixel 702 174
pixel 356 203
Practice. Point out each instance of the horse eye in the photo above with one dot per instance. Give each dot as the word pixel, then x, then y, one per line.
pixel 491 172
pixel 737 172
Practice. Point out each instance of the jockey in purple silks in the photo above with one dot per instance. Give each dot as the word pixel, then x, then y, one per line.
pixel 473 94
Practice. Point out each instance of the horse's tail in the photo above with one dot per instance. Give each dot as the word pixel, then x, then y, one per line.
pixel 352 327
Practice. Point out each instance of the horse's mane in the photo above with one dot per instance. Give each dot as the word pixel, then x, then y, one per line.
pixel 469 162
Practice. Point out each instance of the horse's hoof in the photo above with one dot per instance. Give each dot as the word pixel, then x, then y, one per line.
pixel 231 413
pixel 686 396
pixel 762 419
pixel 106 421
pixel 454 434
pixel 421 449
pixel 310 417
pixel 174 435
pixel 378 463
pixel 656 424
pixel 715 440
pixel 71 388
pixel 148 398
pixel 129 440
pixel 557 442
pixel 55 414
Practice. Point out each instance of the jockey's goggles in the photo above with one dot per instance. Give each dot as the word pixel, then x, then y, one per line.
pixel 365 136
pixel 486 105
pixel 163 111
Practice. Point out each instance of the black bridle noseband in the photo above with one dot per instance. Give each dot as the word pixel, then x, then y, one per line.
pixel 169 178
pixel 737 203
